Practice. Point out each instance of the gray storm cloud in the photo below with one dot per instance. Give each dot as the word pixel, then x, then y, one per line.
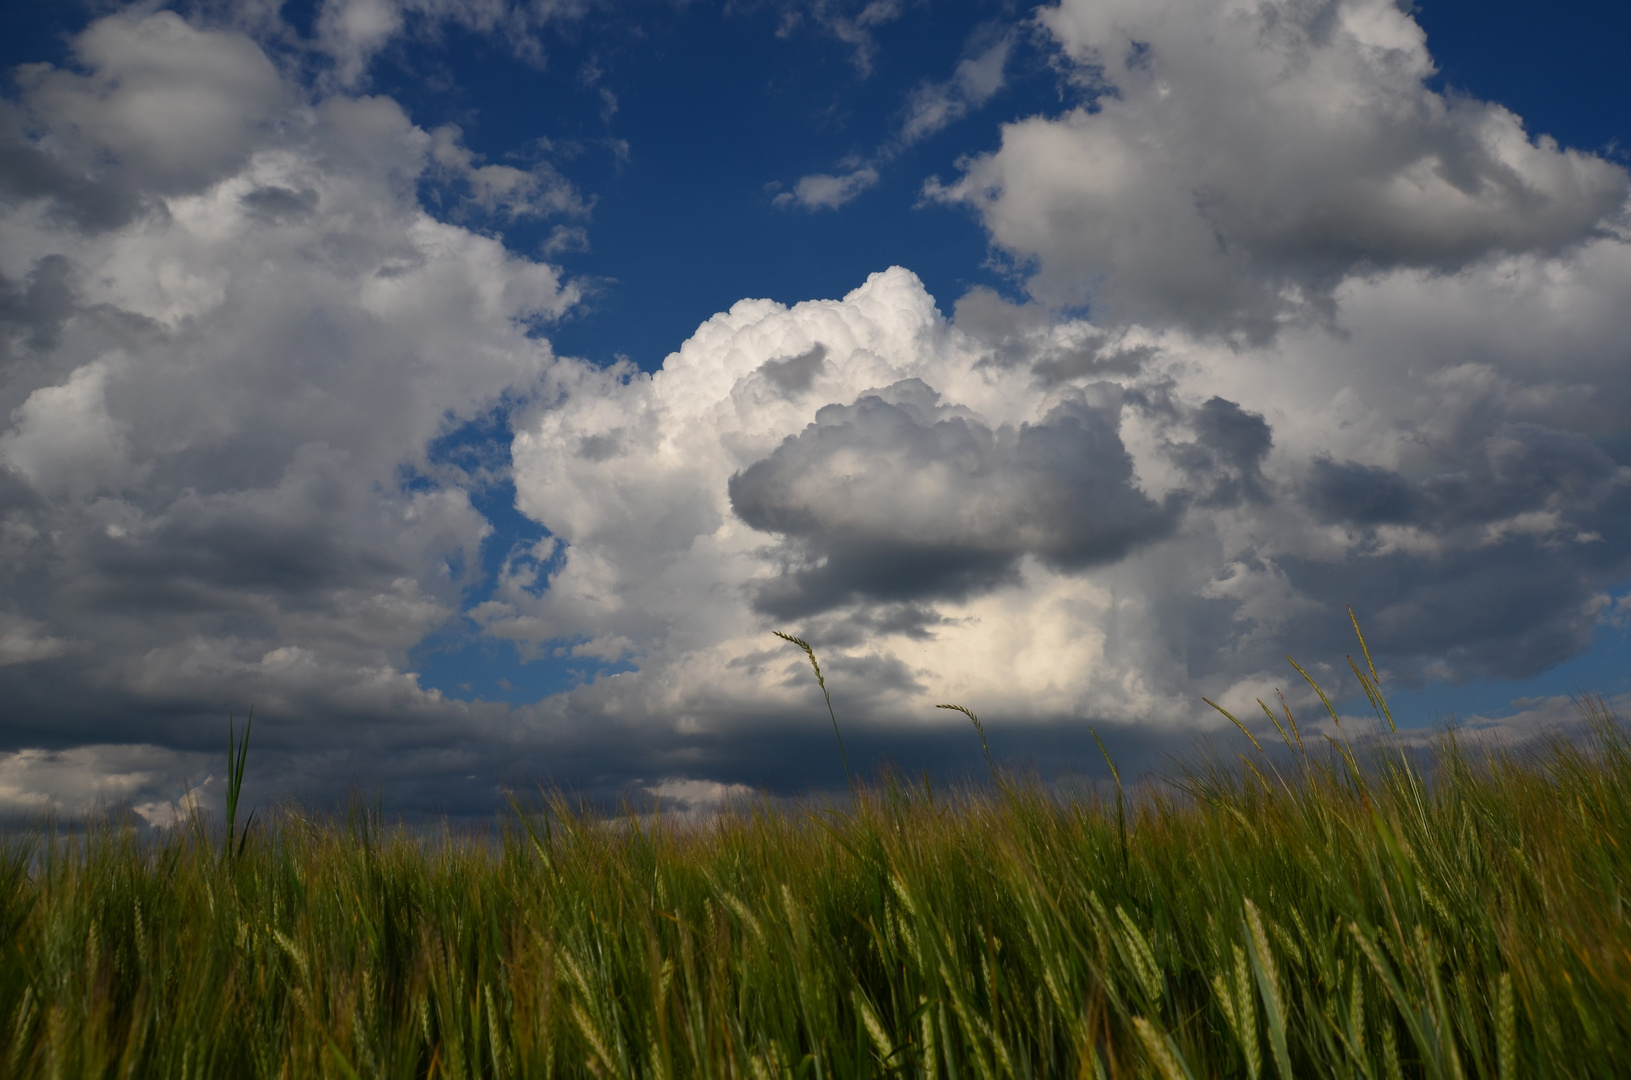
pixel 897 497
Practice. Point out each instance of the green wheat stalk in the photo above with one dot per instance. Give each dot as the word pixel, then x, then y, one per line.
pixel 979 728
pixel 237 756
pixel 1121 802
pixel 821 681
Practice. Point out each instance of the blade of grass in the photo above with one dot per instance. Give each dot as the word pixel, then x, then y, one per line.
pixel 1121 804
pixel 1376 680
pixel 237 757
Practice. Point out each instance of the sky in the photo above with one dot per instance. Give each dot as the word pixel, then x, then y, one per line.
pixel 472 387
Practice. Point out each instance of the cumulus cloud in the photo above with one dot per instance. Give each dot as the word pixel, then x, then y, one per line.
pixel 1347 341
pixel 173 106
pixel 955 525
pixel 1060 520
pixel 158 108
pixel 215 480
pixel 73 782
pixel 1235 163
pixel 695 799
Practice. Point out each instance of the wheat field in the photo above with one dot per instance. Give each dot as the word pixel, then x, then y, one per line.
pixel 1349 912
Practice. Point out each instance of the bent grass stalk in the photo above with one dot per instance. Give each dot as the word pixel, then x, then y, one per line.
pixel 979 729
pixel 821 681
pixel 1121 802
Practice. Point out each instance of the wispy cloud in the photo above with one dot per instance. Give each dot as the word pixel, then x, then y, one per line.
pixel 930 108
pixel 536 191
pixel 851 26
pixel 934 106
pixel 354 32
pixel 825 191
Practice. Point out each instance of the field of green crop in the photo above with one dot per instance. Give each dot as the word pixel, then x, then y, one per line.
pixel 1347 913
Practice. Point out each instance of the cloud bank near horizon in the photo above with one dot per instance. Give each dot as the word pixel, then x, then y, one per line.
pixel 1344 340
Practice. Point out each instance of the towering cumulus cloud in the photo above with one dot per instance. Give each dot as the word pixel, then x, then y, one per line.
pixel 1346 340
pixel 861 467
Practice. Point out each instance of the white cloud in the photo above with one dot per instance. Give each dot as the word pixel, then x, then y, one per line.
pixel 215 483
pixel 538 191
pixel 932 106
pixel 895 488
pixel 635 473
pixel 825 191
pixel 853 27
pixel 173 105
pixel 228 363
pixel 63 438
pixel 34 783
pixel 695 799
pixel 354 32
pixel 1238 161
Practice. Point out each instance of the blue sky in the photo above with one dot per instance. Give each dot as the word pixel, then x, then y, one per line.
pixel 343 376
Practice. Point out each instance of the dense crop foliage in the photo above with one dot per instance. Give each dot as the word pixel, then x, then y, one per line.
pixel 1371 918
